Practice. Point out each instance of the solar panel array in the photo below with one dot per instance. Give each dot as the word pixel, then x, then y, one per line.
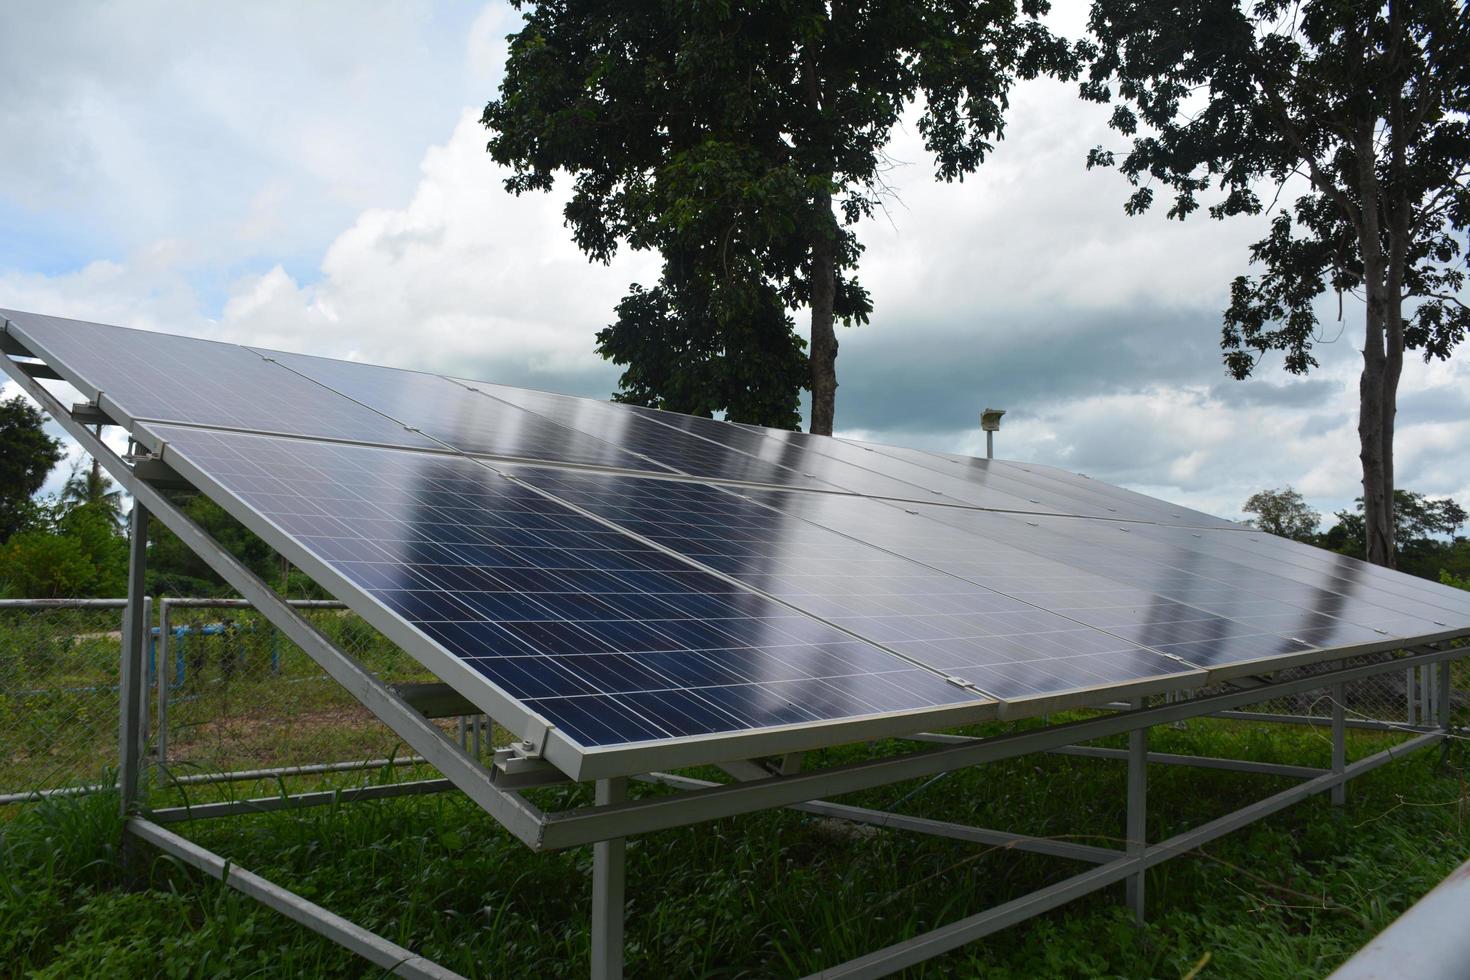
pixel 629 578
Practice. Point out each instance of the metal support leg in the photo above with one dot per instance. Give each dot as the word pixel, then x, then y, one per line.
pixel 1137 812
pixel 165 678
pixel 1445 702
pixel 134 665
pixel 1339 741
pixel 608 863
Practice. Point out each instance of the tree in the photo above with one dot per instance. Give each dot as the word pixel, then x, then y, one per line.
pixel 1424 533
pixel 70 551
pixel 1283 512
pixel 27 455
pixel 698 347
pixel 1363 107
pixel 729 137
pixel 92 487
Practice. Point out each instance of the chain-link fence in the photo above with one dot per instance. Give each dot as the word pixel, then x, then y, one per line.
pixel 1397 698
pixel 229 695
pixel 58 692
pixel 233 694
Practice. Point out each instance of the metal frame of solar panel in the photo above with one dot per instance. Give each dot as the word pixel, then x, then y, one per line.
pixel 631 592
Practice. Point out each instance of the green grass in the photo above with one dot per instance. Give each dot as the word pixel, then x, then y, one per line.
pixel 772 894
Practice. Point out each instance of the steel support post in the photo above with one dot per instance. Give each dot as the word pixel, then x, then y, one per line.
pixel 1137 836
pixel 609 860
pixel 1445 703
pixel 165 677
pixel 1339 741
pixel 133 669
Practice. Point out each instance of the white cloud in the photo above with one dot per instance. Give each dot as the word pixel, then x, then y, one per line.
pixel 336 198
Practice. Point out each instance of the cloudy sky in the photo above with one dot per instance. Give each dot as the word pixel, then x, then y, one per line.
pixel 313 177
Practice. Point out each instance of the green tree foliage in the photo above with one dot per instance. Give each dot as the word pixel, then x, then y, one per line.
pixel 1283 512
pixel 744 142
pixel 1424 534
pixel 693 346
pixel 1363 107
pixel 174 568
pixel 27 455
pixel 89 485
pixel 72 551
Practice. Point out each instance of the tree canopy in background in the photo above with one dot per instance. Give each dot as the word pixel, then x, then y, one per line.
pixel 1358 109
pixel 1425 534
pixel 744 142
pixel 1283 512
pixel 27 456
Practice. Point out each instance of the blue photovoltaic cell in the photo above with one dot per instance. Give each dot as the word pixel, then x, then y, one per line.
pixel 610 640
pixel 1008 647
pixel 201 382
pixel 466 420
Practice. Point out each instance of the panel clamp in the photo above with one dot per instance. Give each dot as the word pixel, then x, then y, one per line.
pixel 533 742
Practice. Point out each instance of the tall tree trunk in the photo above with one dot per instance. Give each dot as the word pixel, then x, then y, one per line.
pixel 823 352
pixel 1378 386
pixel 1375 441
pixel 1377 398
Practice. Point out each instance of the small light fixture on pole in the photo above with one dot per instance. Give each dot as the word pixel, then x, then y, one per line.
pixel 990 422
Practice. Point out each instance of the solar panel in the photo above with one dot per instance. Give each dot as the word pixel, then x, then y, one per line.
pixel 610 640
pixel 1011 649
pixel 143 375
pixel 466 420
pixel 626 429
pixel 684 445
pixel 645 583
pixel 1053 490
pixel 854 468
pixel 1243 615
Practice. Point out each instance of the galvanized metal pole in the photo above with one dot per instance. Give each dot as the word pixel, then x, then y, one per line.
pixel 989 445
pixel 609 860
pixel 134 662
pixel 1446 702
pixel 1137 836
pixel 1339 741
pixel 165 677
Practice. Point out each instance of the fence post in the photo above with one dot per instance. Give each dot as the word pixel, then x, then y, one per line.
pixel 1137 829
pixel 165 678
pixel 1339 741
pixel 134 662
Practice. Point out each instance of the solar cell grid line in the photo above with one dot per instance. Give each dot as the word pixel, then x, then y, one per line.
pixel 464 420
pixel 1284 620
pixel 872 474
pixel 1006 647
pixel 1089 497
pixel 139 374
pixel 682 452
pixel 612 642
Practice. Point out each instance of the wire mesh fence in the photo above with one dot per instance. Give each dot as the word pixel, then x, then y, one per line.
pixel 58 691
pixel 233 694
pixel 228 694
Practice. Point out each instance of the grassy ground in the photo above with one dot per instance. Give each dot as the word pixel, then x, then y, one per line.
pixel 774 894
